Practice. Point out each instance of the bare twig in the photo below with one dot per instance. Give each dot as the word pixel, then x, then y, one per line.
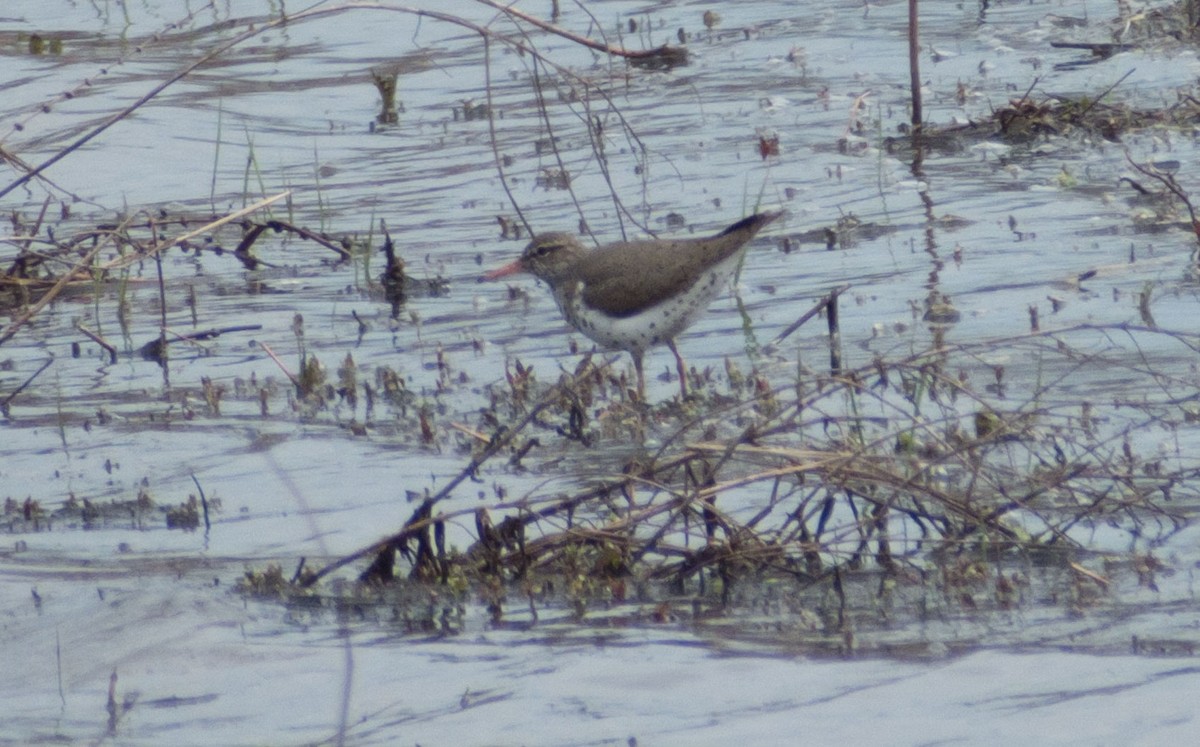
pixel 108 346
pixel 813 311
pixel 13 394
pixel 282 366
pixel 632 54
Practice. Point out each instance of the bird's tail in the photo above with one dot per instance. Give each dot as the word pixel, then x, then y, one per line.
pixel 752 224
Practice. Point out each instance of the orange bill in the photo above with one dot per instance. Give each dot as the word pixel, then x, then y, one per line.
pixel 509 269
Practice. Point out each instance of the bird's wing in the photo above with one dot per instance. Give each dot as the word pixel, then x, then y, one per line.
pixel 625 278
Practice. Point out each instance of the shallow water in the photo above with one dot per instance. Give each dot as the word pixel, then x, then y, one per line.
pixel 292 109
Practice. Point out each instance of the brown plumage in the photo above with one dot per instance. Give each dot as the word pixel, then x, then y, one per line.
pixel 633 295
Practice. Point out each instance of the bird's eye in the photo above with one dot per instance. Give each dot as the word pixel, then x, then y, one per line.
pixel 545 249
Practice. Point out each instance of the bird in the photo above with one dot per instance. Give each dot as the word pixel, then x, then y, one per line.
pixel 635 295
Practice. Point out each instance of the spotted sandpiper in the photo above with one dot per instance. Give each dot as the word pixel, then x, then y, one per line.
pixel 633 295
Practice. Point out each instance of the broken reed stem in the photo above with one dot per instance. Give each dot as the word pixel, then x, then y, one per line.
pixel 815 309
pixel 163 352
pixel 108 346
pixel 914 64
pixel 203 503
pixel 835 335
pixel 12 395
pixel 282 366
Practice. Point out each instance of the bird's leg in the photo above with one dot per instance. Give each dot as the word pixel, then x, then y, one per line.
pixel 681 367
pixel 637 365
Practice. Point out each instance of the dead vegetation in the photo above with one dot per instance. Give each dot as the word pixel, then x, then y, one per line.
pixel 904 472
pixel 930 460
